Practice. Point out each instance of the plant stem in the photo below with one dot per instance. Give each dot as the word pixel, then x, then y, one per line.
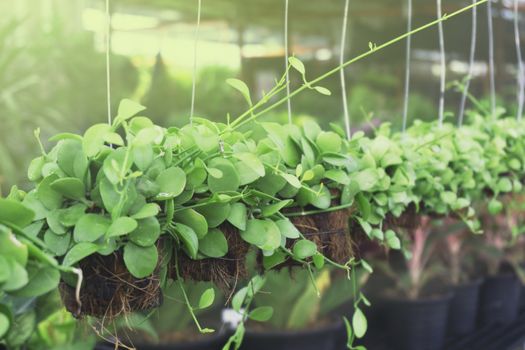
pixel 190 308
pixel 237 124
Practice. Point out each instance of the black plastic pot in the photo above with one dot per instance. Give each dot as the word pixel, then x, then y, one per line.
pixel 499 300
pixel 416 324
pixel 323 338
pixel 522 298
pixel 463 309
pixel 210 342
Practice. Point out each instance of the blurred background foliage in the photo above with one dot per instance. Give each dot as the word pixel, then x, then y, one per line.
pixel 52 66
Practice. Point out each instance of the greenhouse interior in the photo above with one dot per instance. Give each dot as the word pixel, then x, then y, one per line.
pixel 262 174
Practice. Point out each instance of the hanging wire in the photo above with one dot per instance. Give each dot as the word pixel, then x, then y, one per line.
pixel 286 56
pixel 443 66
pixel 108 68
pixel 194 79
pixel 521 73
pixel 491 59
pixel 471 63
pixel 342 72
pixel 407 64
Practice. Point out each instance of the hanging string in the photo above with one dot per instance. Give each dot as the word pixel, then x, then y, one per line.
pixel 407 64
pixel 443 66
pixel 471 63
pixel 521 82
pixel 491 60
pixel 108 68
pixel 195 44
pixel 286 56
pixel 342 72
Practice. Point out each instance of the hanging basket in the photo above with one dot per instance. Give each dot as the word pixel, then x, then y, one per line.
pixel 223 272
pixel 328 230
pixel 109 290
pixel 409 219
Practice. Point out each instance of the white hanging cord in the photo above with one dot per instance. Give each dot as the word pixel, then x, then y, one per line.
pixel 407 64
pixel 521 73
pixel 342 72
pixel 443 66
pixel 286 55
pixel 491 60
pixel 471 63
pixel 108 68
pixel 195 44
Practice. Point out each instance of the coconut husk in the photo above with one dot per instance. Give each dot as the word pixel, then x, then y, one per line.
pixel 109 290
pixel 409 219
pixel 328 230
pixel 223 272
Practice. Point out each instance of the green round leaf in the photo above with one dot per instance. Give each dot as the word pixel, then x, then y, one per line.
pixel 229 181
pixel 214 244
pixel 4 269
pixel 329 142
pixel 69 187
pixel 288 229
pixel 140 261
pixel 42 279
pixel 188 238
pixel 122 226
pixel 264 234
pixel 322 198
pixel 304 249
pixel 18 277
pixel 93 140
pixel 495 206
pixel 68 151
pixel 11 247
pixel 79 252
pixel 143 156
pixel 91 227
pixel 359 323
pixel 193 219
pixel 69 217
pixel 207 298
pixel 34 172
pixel 5 324
pixel 45 192
pixel 53 221
pixel 261 314
pixel 238 215
pixel 215 213
pixel 392 240
pixel 146 233
pixel 58 244
pixel 148 210
pixel 252 162
pixel 171 182
pixel 127 109
pixel 117 165
pixel 15 213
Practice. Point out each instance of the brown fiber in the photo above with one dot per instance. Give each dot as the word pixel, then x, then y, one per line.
pixel 223 272
pixel 109 290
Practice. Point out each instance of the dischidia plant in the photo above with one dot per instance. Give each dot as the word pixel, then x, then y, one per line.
pixel 132 204
pixel 27 271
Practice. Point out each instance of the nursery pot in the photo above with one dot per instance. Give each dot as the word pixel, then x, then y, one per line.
pixel 499 300
pixel 417 324
pixel 324 338
pixel 463 309
pixel 208 342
